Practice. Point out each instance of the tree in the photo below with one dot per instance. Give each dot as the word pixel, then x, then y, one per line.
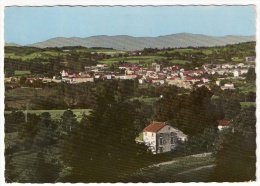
pixel 13 120
pixel 22 80
pixel 251 75
pixel 235 150
pixel 68 122
pixel 103 147
pixel 203 142
pixel 231 108
pixel 44 171
pixel 46 135
pixel 28 130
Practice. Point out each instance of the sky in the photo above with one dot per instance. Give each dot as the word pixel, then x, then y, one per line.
pixel 27 25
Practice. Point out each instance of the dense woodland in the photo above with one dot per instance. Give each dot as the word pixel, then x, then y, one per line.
pixel 101 146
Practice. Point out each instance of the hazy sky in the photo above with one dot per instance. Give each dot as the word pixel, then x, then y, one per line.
pixel 25 25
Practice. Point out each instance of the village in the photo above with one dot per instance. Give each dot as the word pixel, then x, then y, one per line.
pixel 156 74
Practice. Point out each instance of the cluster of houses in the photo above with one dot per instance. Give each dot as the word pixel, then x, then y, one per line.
pixel 161 137
pixel 155 74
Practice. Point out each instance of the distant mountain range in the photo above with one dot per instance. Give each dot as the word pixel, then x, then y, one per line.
pixel 12 44
pixel 124 42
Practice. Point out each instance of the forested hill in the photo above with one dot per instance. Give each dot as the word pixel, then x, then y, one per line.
pixel 125 42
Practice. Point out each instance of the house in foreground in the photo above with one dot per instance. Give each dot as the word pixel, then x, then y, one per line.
pixel 161 137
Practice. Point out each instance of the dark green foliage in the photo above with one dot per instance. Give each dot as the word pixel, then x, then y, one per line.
pixel 235 151
pixel 13 120
pixel 68 122
pixel 47 134
pixel 104 146
pixel 29 129
pixel 45 170
pixel 204 142
pixel 231 108
pixel 26 158
pixel 251 75
pixel 190 113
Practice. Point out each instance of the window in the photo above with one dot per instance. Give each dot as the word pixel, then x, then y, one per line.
pixel 169 128
pixel 160 141
pixel 172 140
pixel 160 149
pixel 145 133
pixel 152 134
pixel 161 134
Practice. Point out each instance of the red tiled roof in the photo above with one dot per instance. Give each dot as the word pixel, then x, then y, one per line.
pixel 150 69
pixel 154 126
pixel 223 123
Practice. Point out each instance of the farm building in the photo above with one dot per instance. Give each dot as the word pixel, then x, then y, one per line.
pixel 223 124
pixel 161 137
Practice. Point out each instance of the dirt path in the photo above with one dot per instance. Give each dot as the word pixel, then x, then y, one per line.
pixel 163 163
pixel 198 168
pixel 173 161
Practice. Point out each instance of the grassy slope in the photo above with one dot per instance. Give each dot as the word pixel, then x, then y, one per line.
pixel 184 169
pixel 22 72
pixel 247 104
pixel 47 54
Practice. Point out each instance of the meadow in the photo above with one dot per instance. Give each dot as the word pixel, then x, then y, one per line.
pixel 21 72
pixel 182 169
pixel 56 114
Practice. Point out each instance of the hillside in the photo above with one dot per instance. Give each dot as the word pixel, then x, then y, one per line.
pixel 124 42
pixel 12 44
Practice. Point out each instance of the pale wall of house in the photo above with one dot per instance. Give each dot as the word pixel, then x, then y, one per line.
pixel 178 138
pixel 150 140
pixel 165 134
pixel 81 80
pixel 222 127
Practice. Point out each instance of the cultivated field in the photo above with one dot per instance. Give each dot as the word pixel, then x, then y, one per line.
pixel 56 114
pixel 21 72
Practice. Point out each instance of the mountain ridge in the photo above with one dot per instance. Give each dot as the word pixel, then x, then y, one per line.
pixel 126 42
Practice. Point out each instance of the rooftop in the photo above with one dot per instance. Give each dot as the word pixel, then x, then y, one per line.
pixel 154 126
pixel 223 123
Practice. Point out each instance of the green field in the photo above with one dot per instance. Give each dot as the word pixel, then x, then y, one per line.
pixel 183 169
pixel 27 92
pixel 44 55
pixel 207 51
pixel 247 104
pixel 97 50
pixel 56 114
pixel 237 59
pixel 148 100
pixel 188 50
pixel 21 72
pixel 132 59
pixel 179 61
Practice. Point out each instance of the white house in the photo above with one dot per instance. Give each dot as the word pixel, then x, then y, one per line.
pixel 161 137
pixel 237 73
pixel 81 79
pixel 228 86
